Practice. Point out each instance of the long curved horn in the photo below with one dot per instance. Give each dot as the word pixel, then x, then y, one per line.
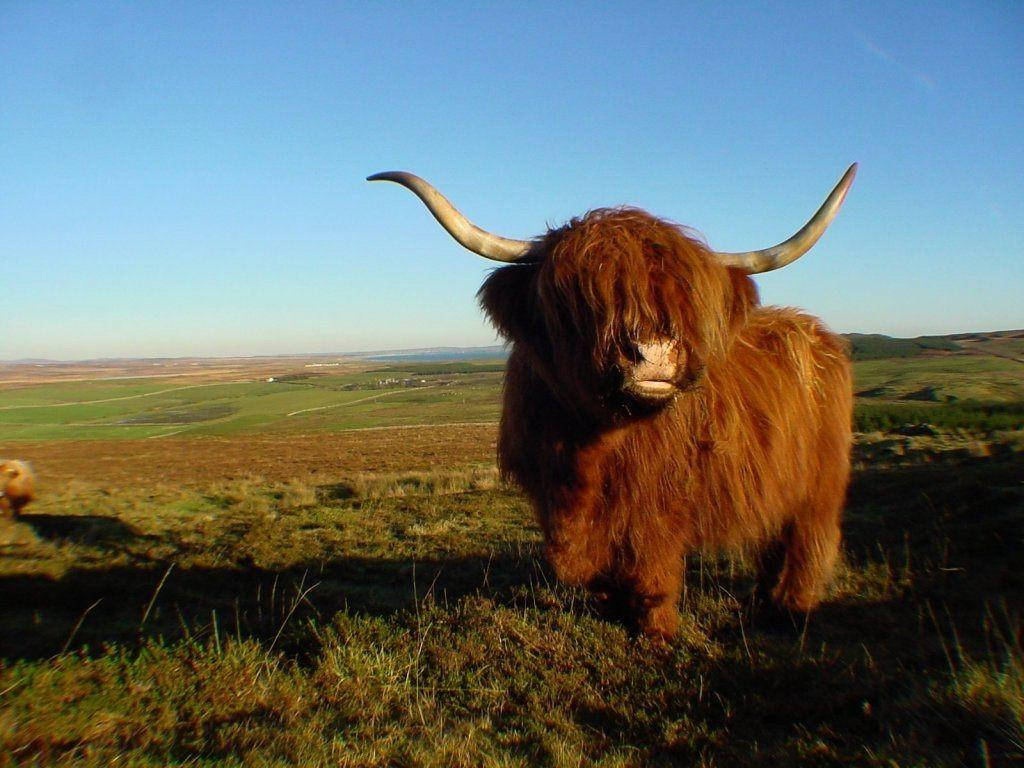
pixel 792 249
pixel 467 234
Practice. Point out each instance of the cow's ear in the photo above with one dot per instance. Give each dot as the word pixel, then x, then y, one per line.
pixel 744 297
pixel 507 296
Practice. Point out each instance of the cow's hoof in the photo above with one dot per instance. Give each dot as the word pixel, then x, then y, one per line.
pixel 795 602
pixel 660 624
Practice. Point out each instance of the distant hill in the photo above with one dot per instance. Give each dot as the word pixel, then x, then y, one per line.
pixel 874 346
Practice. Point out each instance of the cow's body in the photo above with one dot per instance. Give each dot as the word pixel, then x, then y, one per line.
pixel 17 486
pixel 758 454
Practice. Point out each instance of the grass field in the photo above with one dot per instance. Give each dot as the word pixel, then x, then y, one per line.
pixel 354 586
pixel 941 377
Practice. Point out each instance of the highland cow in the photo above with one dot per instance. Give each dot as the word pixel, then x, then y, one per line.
pixel 17 487
pixel 653 407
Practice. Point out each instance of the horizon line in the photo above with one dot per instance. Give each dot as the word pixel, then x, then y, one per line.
pixel 400 350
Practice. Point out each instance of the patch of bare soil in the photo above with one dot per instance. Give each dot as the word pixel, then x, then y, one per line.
pixel 196 460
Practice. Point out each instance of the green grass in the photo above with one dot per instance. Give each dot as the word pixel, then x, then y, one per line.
pixel 407 619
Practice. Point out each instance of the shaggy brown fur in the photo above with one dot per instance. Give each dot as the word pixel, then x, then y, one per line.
pixel 17 486
pixel 752 452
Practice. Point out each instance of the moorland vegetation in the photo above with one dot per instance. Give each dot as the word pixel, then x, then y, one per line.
pixel 354 585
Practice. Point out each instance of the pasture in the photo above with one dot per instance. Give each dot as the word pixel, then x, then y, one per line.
pixel 326 570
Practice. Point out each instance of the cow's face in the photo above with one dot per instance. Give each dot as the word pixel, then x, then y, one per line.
pixel 10 471
pixel 619 312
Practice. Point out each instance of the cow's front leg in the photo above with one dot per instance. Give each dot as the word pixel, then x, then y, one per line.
pixel 656 582
pixel 657 608
pixel 576 547
pixel 576 519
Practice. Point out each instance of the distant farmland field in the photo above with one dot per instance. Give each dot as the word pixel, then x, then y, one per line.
pixel 420 393
pixel 384 396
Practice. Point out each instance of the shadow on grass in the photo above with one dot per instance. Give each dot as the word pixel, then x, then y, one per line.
pixel 94 530
pixel 942 533
pixel 38 614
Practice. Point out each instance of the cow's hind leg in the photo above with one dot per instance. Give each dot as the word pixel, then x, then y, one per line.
pixel 768 564
pixel 811 544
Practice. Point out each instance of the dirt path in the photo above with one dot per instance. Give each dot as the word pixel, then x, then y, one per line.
pixel 991 352
pixel 361 399
pixel 421 426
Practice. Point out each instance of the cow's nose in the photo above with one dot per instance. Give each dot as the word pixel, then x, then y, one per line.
pixel 657 352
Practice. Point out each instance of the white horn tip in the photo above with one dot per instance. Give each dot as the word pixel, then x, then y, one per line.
pixel 847 180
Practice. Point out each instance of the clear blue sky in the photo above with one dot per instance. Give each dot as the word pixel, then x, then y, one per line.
pixel 187 178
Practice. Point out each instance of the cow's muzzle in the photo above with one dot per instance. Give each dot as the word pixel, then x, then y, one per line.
pixel 652 373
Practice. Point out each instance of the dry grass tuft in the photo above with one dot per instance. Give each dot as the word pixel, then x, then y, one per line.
pixel 432 483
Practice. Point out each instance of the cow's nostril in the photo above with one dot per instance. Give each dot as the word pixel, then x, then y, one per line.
pixel 634 352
